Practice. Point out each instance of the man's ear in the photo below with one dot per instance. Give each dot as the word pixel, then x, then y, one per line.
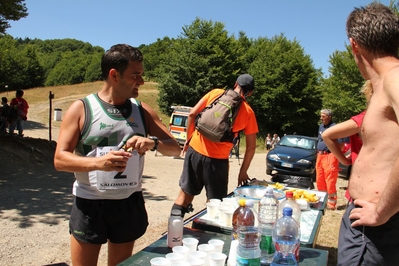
pixel 113 75
pixel 354 45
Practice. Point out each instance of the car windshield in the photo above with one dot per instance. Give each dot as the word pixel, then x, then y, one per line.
pixel 298 142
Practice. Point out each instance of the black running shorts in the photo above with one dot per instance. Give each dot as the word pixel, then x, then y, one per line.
pixel 119 221
pixel 201 171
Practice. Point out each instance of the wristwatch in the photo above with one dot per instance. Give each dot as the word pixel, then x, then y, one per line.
pixel 156 141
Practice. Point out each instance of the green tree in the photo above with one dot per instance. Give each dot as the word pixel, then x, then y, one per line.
pixel 341 90
pixel 32 70
pixel 153 54
pixel 287 93
pixel 11 10
pixel 202 58
pixel 93 70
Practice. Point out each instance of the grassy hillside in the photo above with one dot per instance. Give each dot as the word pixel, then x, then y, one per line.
pixel 65 95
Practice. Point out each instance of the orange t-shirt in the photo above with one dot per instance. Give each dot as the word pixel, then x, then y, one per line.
pixel 245 121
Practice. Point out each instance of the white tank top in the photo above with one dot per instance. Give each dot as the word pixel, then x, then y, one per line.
pixel 108 126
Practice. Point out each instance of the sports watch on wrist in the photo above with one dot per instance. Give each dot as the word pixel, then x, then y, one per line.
pixel 156 141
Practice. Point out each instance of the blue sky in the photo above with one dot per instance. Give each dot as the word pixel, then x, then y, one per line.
pixel 318 25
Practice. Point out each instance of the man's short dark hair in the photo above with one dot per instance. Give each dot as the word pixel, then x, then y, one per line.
pixel 118 57
pixel 19 93
pixel 375 28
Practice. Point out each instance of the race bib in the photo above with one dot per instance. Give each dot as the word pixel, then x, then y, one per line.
pixel 129 178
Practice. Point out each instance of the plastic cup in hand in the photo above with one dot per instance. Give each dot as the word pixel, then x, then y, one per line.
pixel 159 261
pixel 208 249
pixel 174 257
pixel 196 262
pixel 217 259
pixel 191 243
pixel 182 250
pixel 212 209
pixel 218 244
pixel 197 255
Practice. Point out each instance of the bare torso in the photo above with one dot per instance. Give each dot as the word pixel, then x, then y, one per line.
pixel 380 150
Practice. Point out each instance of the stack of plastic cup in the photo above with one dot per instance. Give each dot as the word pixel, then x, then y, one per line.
pixel 191 243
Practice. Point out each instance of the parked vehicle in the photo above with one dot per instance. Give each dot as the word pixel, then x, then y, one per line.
pixel 178 123
pixel 293 155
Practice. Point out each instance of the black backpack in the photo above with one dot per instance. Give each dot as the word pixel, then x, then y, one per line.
pixel 215 122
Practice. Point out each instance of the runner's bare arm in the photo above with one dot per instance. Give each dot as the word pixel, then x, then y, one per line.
pixel 167 144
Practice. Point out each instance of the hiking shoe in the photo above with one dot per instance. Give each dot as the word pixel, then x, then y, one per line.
pixel 331 206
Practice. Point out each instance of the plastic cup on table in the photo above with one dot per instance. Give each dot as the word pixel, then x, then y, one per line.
pixel 222 209
pixel 175 257
pixel 208 249
pixel 196 262
pixel 197 255
pixel 228 217
pixel 159 261
pixel 217 259
pixel 182 250
pixel 191 243
pixel 218 201
pixel 180 263
pixel 217 243
pixel 212 209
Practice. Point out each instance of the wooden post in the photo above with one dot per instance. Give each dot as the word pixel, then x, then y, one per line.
pixel 51 97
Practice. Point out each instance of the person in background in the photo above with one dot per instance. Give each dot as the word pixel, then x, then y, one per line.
pixel 4 112
pixel 369 232
pixel 268 142
pixel 275 140
pixel 206 163
pixel 19 107
pixel 103 139
pixel 326 162
pixel 351 129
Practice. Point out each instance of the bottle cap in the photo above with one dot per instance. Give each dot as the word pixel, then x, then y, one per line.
pixel 287 211
pixel 249 203
pixel 241 202
pixel 176 212
pixel 289 194
pixel 269 191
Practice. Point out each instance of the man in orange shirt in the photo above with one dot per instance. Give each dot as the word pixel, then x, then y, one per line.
pixel 206 163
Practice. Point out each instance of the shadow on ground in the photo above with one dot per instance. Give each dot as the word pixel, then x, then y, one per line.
pixel 30 187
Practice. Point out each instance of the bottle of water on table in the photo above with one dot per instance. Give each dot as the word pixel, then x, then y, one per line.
pixel 286 239
pixel 175 229
pixel 267 216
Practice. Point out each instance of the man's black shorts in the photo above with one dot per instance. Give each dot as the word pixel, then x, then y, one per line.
pixel 120 221
pixel 200 171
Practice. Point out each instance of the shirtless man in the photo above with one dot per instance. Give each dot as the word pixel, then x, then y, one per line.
pixel 369 233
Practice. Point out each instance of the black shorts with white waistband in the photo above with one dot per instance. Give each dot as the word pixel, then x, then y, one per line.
pixel 119 221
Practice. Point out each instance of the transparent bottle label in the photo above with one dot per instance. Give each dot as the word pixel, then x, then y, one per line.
pixel 266 244
pixel 247 262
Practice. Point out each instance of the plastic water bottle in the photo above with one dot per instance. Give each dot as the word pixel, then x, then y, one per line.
pixel 286 239
pixel 248 251
pixel 242 216
pixel 175 229
pixel 290 202
pixel 267 216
